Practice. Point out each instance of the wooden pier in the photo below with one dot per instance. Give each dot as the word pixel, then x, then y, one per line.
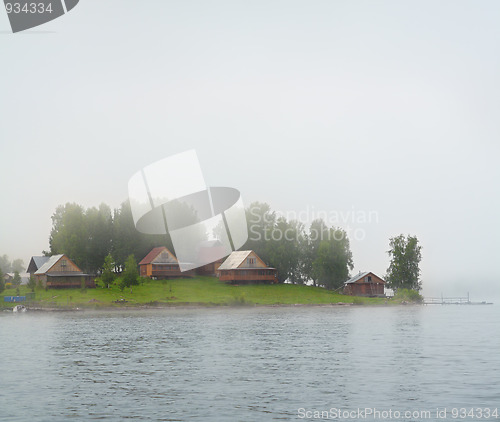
pixel 453 301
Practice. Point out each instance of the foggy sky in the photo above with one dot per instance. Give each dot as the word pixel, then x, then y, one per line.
pixel 387 107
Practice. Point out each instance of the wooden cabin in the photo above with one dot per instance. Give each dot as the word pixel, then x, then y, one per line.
pixel 242 267
pixel 160 263
pixel 365 284
pixel 59 271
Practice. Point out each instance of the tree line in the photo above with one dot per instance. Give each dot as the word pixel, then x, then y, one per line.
pixel 319 254
pixel 15 266
pixel 87 236
pixel 8 266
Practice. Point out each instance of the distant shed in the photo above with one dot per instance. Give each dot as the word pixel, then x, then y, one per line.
pixel 9 277
pixel 365 284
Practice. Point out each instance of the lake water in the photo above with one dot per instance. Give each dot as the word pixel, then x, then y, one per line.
pixel 249 364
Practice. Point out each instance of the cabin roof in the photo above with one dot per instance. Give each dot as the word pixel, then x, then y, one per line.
pixel 53 260
pixel 49 264
pixel 150 257
pixel 356 278
pixel 37 261
pixel 153 253
pixel 236 258
pixel 360 276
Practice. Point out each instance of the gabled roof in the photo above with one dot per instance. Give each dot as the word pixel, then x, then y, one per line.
pixel 356 278
pixel 360 276
pixel 150 257
pixel 36 262
pixel 237 258
pixel 234 260
pixel 53 260
pixel 49 264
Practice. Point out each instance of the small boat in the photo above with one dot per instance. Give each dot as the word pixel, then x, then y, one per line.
pixel 19 308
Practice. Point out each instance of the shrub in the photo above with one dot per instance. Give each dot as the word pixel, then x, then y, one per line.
pixel 408 295
pixel 130 275
pixel 239 299
pixel 122 284
pixel 108 276
pixel 16 281
pixel 32 283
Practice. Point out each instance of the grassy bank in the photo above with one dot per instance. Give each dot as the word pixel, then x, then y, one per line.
pixel 207 291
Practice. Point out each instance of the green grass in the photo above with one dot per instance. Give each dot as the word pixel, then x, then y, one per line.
pixel 207 291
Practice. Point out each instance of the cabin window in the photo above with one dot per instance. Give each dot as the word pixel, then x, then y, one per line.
pixel 251 261
pixel 63 263
pixel 369 279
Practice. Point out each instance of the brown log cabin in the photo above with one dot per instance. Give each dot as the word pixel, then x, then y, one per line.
pixel 243 267
pixel 365 284
pixel 58 271
pixel 160 263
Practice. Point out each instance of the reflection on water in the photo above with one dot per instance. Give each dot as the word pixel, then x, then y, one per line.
pixel 246 364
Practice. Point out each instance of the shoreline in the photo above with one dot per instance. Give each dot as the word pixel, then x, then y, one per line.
pixel 186 306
